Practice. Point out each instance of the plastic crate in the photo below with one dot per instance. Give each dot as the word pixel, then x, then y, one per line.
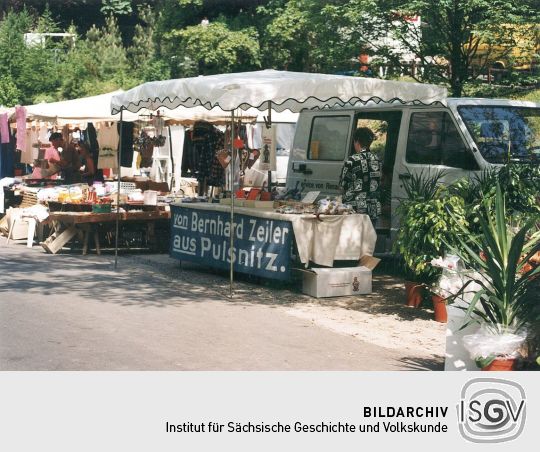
pixel 101 208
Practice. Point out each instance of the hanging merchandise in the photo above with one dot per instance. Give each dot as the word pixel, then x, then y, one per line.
pixel 107 138
pixel 188 156
pixel 206 140
pixel 236 176
pixel 224 157
pixel 127 144
pixel 216 177
pixel 20 115
pixel 253 157
pixel 159 138
pixel 4 128
pixel 7 156
pixel 43 134
pixel 144 145
pixel 268 150
pixel 30 151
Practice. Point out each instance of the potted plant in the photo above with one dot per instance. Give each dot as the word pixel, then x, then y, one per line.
pixel 438 298
pixel 425 227
pixel 501 304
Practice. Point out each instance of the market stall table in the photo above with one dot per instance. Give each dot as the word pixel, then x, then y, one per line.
pixel 263 238
pixel 68 224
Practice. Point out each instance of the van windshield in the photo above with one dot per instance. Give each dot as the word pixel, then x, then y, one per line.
pixel 504 134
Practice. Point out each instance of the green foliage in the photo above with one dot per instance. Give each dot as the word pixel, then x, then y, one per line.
pixel 213 49
pixel 501 304
pixel 426 229
pixel 168 40
pixel 307 35
pixel 422 186
pixel 116 7
pixel 9 93
pixel 27 71
pixel 430 220
pixel 97 64
pixel 455 34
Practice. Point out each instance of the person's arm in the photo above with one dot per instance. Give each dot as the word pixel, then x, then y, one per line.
pixel 90 167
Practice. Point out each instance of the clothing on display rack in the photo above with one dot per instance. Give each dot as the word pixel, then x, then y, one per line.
pixel 145 147
pixel 89 137
pixel 107 139
pixel 30 151
pixel 7 159
pixel 201 146
pixel 43 134
pixel 188 156
pixel 127 143
pixel 20 117
pixel 4 128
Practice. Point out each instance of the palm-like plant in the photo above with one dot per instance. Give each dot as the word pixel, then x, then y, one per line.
pixel 501 303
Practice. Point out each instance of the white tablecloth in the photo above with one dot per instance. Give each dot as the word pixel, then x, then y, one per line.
pixel 336 237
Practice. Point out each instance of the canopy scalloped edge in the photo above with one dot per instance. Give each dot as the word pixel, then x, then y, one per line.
pixel 172 103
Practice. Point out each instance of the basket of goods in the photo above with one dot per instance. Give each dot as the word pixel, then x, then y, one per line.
pixel 102 206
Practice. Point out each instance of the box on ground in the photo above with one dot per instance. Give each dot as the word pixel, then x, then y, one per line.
pixel 336 282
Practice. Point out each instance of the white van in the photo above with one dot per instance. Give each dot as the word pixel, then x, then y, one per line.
pixel 462 137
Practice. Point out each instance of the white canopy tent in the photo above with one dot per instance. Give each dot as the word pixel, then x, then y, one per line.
pixel 84 109
pixel 98 109
pixel 279 90
pixel 270 90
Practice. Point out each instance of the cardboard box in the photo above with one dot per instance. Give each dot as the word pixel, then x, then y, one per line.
pixel 268 205
pixel 336 282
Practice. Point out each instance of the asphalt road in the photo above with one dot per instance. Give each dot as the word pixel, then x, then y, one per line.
pixel 72 312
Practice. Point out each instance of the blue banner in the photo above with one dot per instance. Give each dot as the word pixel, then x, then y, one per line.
pixel 261 246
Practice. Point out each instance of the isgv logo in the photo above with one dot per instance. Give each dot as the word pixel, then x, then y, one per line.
pixel 491 410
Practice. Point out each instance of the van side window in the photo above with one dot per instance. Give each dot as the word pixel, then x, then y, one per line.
pixel 328 140
pixel 434 140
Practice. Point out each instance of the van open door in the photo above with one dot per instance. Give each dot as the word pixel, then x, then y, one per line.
pixel 321 144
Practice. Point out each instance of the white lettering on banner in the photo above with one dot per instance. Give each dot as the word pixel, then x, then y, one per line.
pixel 216 226
pixel 254 258
pixel 180 221
pixel 185 245
pixel 267 232
pixel 272 258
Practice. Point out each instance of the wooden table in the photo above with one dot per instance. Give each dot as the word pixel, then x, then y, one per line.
pixel 67 225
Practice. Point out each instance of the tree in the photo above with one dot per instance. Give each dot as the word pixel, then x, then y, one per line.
pixel 9 93
pixel 449 41
pixel 212 49
pixel 116 7
pixel 308 35
pixel 23 65
pixel 143 53
pixel 97 64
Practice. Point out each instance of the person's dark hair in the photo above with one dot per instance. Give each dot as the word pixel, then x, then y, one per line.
pixel 55 136
pixel 364 135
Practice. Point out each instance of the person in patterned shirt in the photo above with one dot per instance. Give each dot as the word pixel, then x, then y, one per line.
pixel 361 176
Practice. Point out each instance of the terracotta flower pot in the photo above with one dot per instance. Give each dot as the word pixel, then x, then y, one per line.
pixel 413 292
pixel 439 306
pixel 501 364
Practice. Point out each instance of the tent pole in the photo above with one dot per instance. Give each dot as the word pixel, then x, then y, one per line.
pixel 268 125
pixel 173 181
pixel 119 164
pixel 231 229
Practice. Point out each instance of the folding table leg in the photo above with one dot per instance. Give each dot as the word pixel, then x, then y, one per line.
pixel 86 229
pixel 96 240
pixel 31 232
pixel 57 243
pixel 10 232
